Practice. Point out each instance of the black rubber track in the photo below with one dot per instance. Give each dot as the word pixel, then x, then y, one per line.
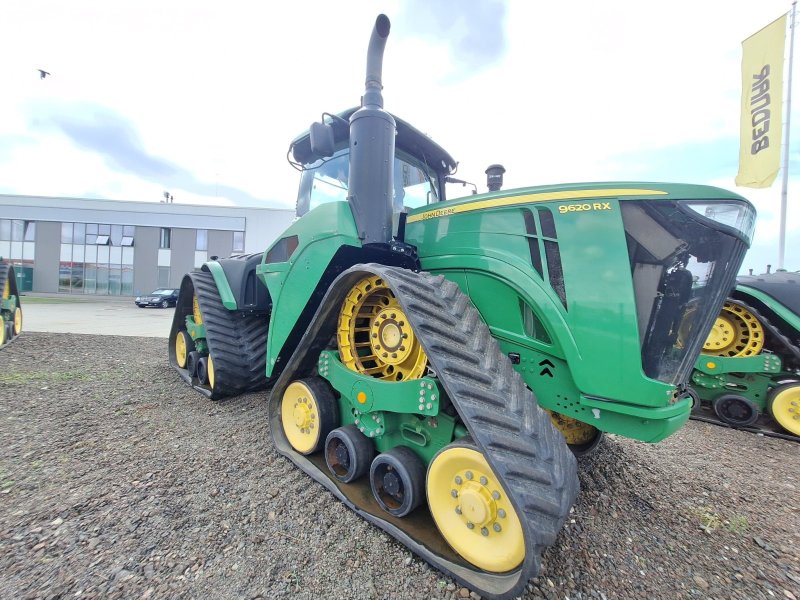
pixel 525 451
pixel 6 271
pixel 237 340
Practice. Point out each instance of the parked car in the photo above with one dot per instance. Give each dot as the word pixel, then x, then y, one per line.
pixel 162 297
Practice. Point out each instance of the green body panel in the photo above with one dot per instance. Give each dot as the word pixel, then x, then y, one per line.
pixel 748 376
pixel 224 288
pixel 198 334
pixel 391 413
pixel 592 343
pixel 320 234
pixel 784 313
pixel 9 304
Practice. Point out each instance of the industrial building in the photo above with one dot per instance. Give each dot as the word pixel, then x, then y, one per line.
pixel 122 248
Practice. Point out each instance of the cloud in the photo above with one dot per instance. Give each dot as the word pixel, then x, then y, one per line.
pixel 115 139
pixel 474 30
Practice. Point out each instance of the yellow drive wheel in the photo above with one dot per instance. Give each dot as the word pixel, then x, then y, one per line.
pixel 308 412
pixel 7 289
pixel 374 335
pixel 736 332
pixel 18 321
pixel 210 372
pixel 784 406
pixel 472 511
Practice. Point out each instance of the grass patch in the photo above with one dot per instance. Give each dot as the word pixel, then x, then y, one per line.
pixel 40 300
pixel 710 521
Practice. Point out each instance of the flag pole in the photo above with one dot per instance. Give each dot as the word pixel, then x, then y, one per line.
pixel 782 238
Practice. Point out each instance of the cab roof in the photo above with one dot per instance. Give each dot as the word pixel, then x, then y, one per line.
pixel 409 139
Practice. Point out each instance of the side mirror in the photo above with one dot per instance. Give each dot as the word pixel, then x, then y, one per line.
pixel 322 140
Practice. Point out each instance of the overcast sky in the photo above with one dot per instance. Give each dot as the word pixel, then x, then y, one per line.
pixel 202 98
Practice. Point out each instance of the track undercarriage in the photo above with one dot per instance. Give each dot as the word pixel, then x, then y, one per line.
pixel 502 489
pixel 10 306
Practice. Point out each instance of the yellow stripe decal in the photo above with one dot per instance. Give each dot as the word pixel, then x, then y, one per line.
pixel 529 198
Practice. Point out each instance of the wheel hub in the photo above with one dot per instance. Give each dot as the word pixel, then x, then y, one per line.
pixel 392 338
pixel 477 506
pixel 391 482
pixel 303 416
pixel 475 503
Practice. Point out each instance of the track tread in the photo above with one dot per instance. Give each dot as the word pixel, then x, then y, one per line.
pixel 237 341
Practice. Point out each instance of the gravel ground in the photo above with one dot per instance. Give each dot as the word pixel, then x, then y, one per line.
pixel 119 482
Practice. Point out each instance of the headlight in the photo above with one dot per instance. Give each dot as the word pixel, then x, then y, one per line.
pixel 737 215
pixel 138 298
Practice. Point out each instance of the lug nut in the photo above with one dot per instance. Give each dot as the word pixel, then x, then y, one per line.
pixel 483 480
pixel 497 527
pixel 501 513
pixel 468 475
pixel 484 531
pixel 470 525
pixel 454 493
pixel 459 481
pixel 495 494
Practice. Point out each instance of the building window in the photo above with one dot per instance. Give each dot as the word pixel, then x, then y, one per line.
pixel 66 233
pixel 30 231
pixel 163 277
pixel 165 237
pixel 238 241
pixel 202 240
pixel 102 240
pixel 5 230
pixel 17 230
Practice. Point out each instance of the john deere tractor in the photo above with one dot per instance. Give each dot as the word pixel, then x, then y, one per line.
pixel 436 364
pixel 10 306
pixel 750 366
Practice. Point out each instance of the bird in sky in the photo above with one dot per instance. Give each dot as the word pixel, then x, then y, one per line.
pixel 43 74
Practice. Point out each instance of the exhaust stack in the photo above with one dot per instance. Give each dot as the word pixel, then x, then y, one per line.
pixel 372 145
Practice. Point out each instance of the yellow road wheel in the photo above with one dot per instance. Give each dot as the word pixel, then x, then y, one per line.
pixel 7 289
pixel 374 335
pixel 210 373
pixel 18 321
pixel 183 346
pixel 2 331
pixel 198 317
pixel 736 332
pixel 581 437
pixel 784 406
pixel 472 511
pixel 308 412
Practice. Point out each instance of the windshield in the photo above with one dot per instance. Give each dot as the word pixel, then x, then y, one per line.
pixel 326 181
pixel 160 292
pixel 683 265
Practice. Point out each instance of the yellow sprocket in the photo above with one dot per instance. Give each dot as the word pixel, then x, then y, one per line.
pixel 374 336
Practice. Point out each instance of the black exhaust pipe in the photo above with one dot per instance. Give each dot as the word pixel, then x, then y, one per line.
pixel 372 133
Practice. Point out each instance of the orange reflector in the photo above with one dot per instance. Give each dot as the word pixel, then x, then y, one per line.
pixel 711 365
pixel 361 397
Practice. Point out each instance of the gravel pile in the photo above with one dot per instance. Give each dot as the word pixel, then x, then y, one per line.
pixel 118 481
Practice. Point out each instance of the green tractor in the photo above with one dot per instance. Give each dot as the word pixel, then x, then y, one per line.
pixel 437 364
pixel 10 305
pixel 750 366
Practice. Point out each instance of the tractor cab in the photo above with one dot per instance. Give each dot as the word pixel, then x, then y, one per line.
pixel 420 167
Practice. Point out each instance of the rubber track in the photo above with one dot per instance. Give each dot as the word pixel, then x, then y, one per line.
pixel 525 451
pixel 5 269
pixel 237 341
